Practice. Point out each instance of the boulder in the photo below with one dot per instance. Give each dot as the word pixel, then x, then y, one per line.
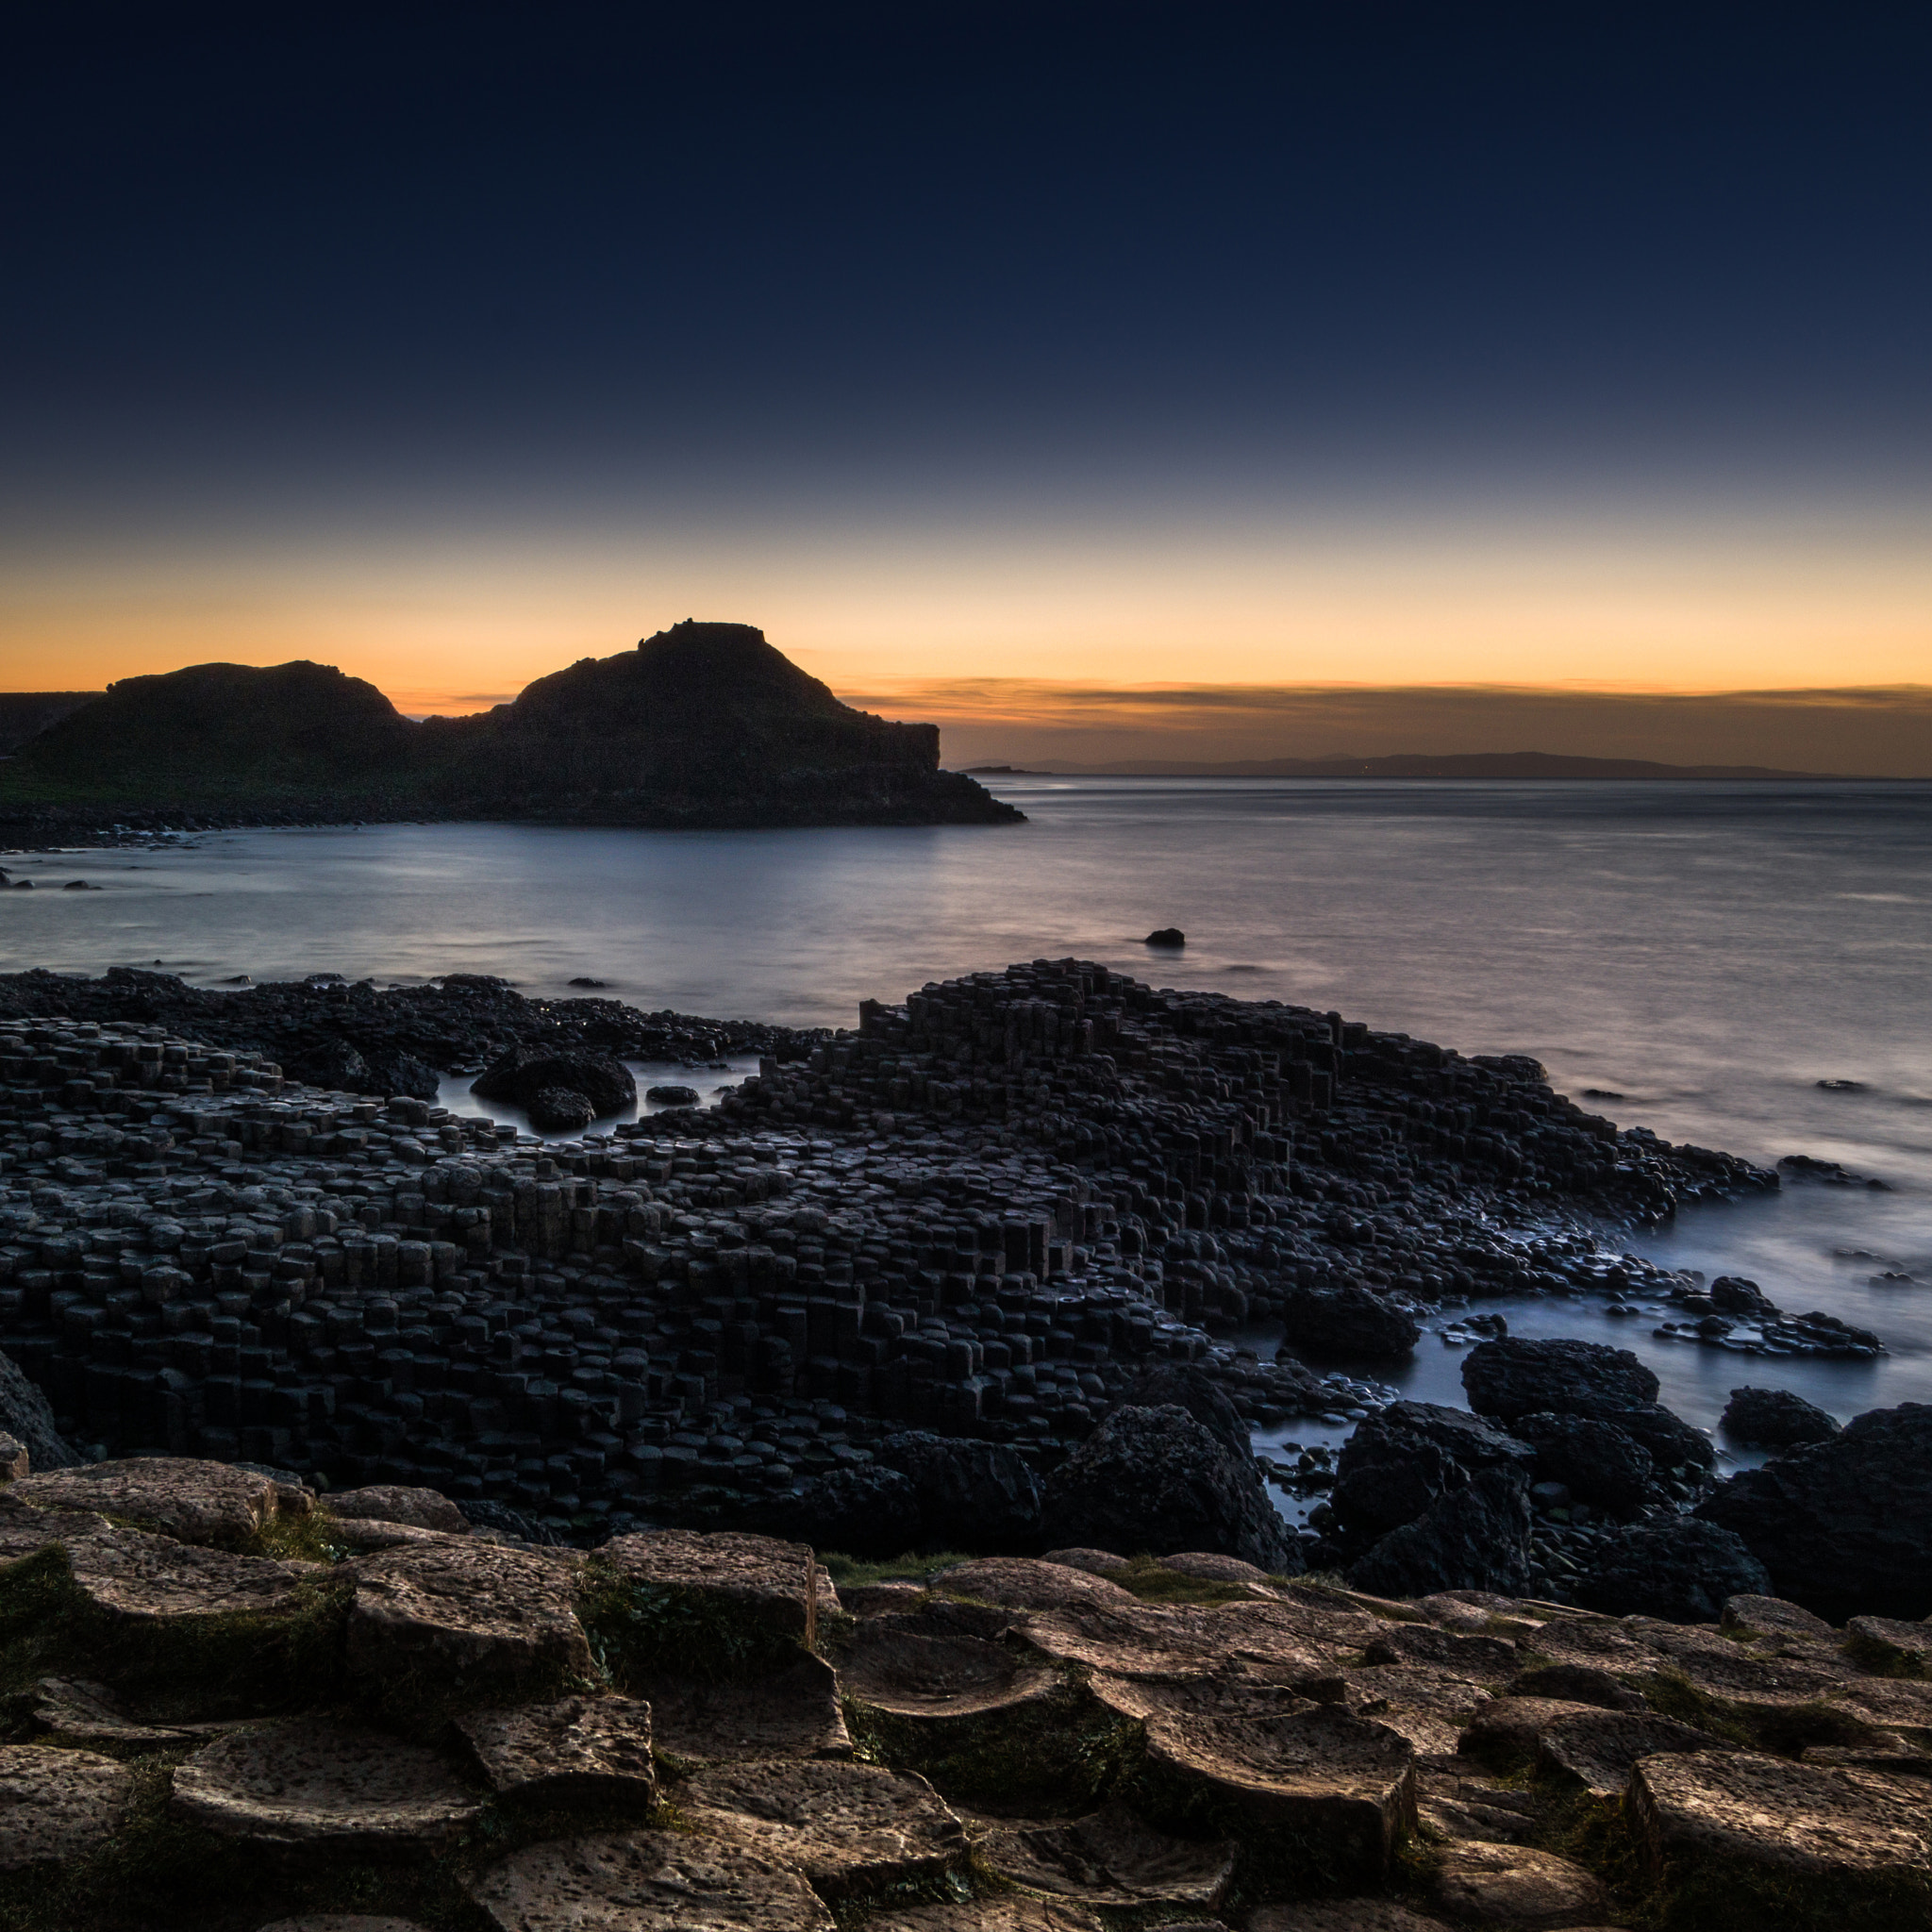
pixel 672 1095
pixel 863 1510
pixel 1672 1442
pixel 26 1416
pixel 560 1111
pixel 207 1503
pixel 1775 1419
pixel 316 1784
pixel 1515 1376
pixel 1157 1479
pixel 595 1750
pixel 971 1495
pixel 850 1829
pixel 1409 1455
pixel 1674 1568
pixel 1596 1460
pixel 392 1502
pixel 526 1072
pixel 645 1882
pixel 57 1805
pixel 1474 1537
pixel 1348 1320
pixel 1165 936
pixel 1844 1526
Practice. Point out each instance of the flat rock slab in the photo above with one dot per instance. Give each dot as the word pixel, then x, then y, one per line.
pixel 1510 1729
pixel 1023 1583
pixel 848 1827
pixel 395 1502
pixel 650 1882
pixel 58 1805
pixel 1779 1817
pixel 94 1714
pixel 596 1748
pixel 192 1502
pixel 1112 1858
pixel 1136 1640
pixel 1094 1562
pixel 794 1713
pixel 1514 1886
pixel 1481 1659
pixel 990 1915
pixel 1342 1915
pixel 466 1616
pixel 341 1922
pixel 1212 1568
pixel 146 1581
pixel 1896 1644
pixel 313 1783
pixel 939 1679
pixel 1459 1804
pixel 1773 1614
pixel 1600 1751
pixel 1342 1783
pixel 774 1584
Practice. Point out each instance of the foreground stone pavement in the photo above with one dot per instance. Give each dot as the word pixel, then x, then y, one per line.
pixel 229 1708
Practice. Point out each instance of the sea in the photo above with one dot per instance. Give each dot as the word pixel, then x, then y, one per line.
pixel 1743 965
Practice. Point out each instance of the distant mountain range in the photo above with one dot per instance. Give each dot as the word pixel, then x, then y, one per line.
pixel 1488 764
pixel 703 724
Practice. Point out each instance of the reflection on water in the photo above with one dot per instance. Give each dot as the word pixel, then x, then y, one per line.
pixel 1705 954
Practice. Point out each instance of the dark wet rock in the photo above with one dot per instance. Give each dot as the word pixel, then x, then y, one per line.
pixel 1593 1460
pixel 867 1510
pixel 1515 1376
pixel 1775 1419
pixel 523 1074
pixel 560 1111
pixel 26 1416
pixel 1157 1479
pixel 593 984
pixel 1475 1537
pixel 1677 1569
pixel 481 1513
pixel 1193 1388
pixel 1672 1442
pixel 1732 1294
pixel 672 1095
pixel 1166 936
pixel 1843 1526
pixel 1349 1320
pixel 1409 1455
pixel 971 1495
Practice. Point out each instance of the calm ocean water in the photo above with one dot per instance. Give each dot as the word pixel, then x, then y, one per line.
pixel 1706 952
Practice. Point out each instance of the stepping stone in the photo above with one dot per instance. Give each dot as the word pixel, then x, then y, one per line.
pixel 56 1806
pixel 992 1915
pixel 1428 1707
pixel 1112 1858
pixel 207 1503
pixel 1774 1616
pixel 1889 1643
pixel 1480 1660
pixel 392 1502
pixel 1577 1684
pixel 792 1713
pixel 848 1827
pixel 1599 1751
pixel 1212 1568
pixel 341 1922
pixel 646 1882
pixel 591 1748
pixel 1135 1639
pixel 1782 1819
pixel 476 1619
pixel 313 1783
pixel 1023 1583
pixel 1094 1562
pixel 1341 1783
pixel 940 1680
pixel 1515 1885
pixel 93 1714
pixel 1458 1804
pixel 777 1586
pixel 1342 1915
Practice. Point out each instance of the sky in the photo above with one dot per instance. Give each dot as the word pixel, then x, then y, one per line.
pixel 1091 369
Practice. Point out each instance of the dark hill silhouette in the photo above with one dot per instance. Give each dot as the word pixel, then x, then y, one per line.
pixel 702 724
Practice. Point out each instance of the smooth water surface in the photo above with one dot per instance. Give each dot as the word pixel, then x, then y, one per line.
pixel 1705 953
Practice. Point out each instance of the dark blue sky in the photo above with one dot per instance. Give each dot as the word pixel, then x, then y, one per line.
pixel 306 267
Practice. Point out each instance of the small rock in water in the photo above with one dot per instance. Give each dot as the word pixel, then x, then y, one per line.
pixel 583 980
pixel 1166 936
pixel 672 1096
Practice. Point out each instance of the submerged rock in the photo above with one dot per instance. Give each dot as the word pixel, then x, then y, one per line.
pixel 523 1073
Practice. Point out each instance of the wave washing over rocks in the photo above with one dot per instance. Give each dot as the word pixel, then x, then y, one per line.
pixel 233 1704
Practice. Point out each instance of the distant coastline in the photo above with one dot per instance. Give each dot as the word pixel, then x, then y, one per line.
pixel 1491 765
